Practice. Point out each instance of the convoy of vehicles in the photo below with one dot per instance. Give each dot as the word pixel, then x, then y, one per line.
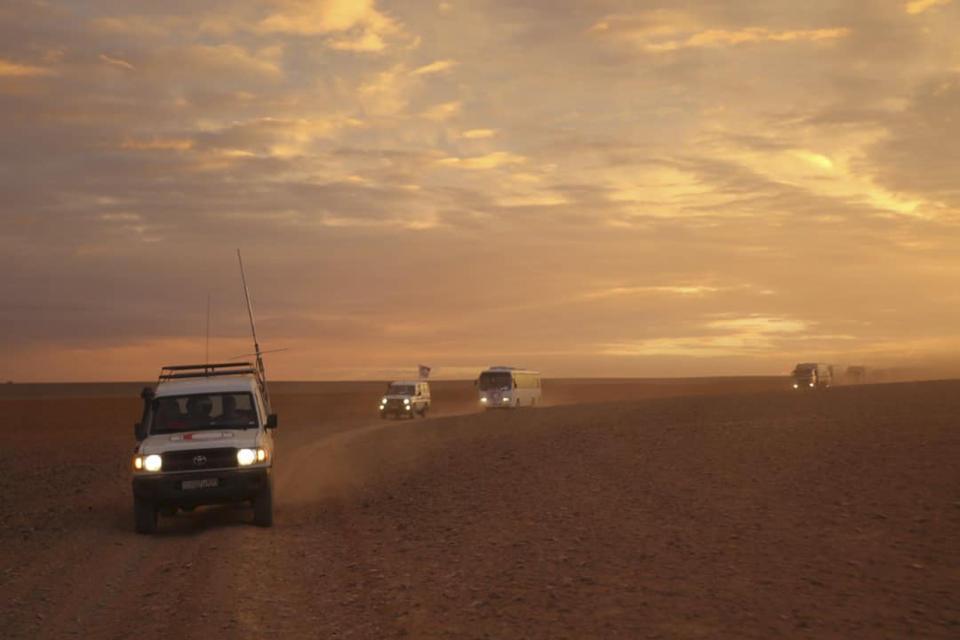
pixel 812 375
pixel 508 387
pixel 406 399
pixel 206 435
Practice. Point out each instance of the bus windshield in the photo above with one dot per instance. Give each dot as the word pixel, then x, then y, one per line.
pixel 495 380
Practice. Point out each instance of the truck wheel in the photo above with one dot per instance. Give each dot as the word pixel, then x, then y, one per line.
pixel 144 516
pixel 263 506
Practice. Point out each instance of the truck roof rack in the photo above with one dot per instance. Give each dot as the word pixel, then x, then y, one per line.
pixel 179 371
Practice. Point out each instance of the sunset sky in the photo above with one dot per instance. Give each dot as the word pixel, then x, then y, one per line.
pixel 603 188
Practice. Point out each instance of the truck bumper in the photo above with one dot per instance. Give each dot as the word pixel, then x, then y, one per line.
pixel 232 485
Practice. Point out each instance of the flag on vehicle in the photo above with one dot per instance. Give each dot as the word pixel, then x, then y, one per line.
pixel 424 371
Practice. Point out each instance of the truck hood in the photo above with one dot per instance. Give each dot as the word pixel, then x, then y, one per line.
pixel 206 439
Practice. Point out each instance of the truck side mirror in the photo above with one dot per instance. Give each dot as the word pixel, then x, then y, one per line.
pixel 514 384
pixel 139 433
pixel 272 421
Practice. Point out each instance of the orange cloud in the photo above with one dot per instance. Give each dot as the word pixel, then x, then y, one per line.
pixel 442 111
pixel 14 69
pixel 488 161
pixel 658 31
pixel 117 62
pixel 475 134
pixel 359 25
pixel 166 144
pixel 919 6
pixel 435 67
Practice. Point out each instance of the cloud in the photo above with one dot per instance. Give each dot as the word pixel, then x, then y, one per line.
pixel 354 25
pixel 489 161
pixel 682 290
pixel 232 57
pixel 918 156
pixel 15 69
pixel 164 144
pixel 319 16
pixel 476 134
pixel 666 30
pixel 919 6
pixel 738 336
pixel 117 62
pixel 443 111
pixel 387 92
pixel 434 67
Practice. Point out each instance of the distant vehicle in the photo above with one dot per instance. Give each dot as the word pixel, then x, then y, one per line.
pixel 812 375
pixel 205 438
pixel 405 398
pixel 507 387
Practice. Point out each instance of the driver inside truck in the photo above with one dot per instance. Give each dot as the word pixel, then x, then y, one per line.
pixel 168 414
pixel 198 410
pixel 230 413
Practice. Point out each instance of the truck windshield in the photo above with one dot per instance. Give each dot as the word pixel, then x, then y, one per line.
pixel 495 380
pixel 196 412
pixel 400 390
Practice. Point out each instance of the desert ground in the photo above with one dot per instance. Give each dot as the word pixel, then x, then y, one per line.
pixel 628 509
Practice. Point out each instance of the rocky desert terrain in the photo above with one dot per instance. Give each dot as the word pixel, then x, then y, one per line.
pixel 629 509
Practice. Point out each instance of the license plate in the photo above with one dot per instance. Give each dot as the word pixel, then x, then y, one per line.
pixel 203 483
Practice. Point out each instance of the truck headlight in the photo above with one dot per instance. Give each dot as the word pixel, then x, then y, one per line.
pixel 383 401
pixel 796 386
pixel 246 457
pixel 152 462
pixel 505 399
pixel 406 401
pixel 483 399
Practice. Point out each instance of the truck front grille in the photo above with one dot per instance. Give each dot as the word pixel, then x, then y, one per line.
pixel 200 459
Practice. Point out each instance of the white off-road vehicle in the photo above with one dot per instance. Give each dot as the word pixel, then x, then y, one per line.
pixel 405 399
pixel 205 438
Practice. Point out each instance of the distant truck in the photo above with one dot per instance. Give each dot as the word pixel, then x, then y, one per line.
pixel 206 437
pixel 508 387
pixel 812 375
pixel 406 399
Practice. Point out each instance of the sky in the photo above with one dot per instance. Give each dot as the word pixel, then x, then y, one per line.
pixel 603 188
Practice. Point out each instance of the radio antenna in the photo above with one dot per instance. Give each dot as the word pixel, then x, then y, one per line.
pixel 207 356
pixel 253 331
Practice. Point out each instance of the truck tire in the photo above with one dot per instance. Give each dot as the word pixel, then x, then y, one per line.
pixel 263 506
pixel 144 516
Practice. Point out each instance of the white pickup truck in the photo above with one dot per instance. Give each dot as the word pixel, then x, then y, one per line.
pixel 206 437
pixel 406 398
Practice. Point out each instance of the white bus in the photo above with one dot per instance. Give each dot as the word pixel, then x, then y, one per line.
pixel 506 387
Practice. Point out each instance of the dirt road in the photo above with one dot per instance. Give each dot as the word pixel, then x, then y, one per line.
pixel 760 514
